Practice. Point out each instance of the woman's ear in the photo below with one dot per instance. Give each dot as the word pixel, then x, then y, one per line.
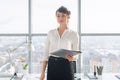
pixel 68 17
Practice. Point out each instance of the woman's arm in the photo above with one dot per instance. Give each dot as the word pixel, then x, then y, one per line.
pixel 75 46
pixel 45 58
pixel 44 64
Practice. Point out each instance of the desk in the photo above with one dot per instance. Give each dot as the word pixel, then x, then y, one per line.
pixel 105 76
pixel 4 78
pixel 32 77
pixel 25 77
pixel 37 77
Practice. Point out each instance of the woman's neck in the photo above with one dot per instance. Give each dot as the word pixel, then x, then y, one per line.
pixel 62 27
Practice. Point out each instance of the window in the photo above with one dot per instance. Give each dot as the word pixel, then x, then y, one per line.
pixel 38 45
pixel 101 50
pixel 12 50
pixel 13 20
pixel 100 16
pixel 13 16
pixel 100 34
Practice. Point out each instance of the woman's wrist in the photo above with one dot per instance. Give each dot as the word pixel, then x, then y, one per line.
pixel 42 72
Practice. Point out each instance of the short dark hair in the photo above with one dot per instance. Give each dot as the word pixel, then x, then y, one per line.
pixel 64 10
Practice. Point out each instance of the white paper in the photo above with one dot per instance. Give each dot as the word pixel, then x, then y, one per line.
pixel 90 76
pixel 63 52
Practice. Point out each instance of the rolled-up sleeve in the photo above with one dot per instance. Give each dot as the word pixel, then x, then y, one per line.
pixel 75 42
pixel 46 50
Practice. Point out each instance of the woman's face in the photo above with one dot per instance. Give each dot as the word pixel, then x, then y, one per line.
pixel 62 18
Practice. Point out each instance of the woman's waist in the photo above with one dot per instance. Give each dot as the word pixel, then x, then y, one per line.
pixel 54 57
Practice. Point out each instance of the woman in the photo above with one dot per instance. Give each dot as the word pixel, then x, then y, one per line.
pixel 60 38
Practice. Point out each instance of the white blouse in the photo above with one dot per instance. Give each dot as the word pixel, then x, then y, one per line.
pixel 69 40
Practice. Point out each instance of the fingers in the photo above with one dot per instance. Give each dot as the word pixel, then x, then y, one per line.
pixel 69 57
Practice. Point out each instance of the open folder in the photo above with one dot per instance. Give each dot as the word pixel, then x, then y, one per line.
pixel 63 52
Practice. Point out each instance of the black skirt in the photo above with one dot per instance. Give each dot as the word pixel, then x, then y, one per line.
pixel 59 69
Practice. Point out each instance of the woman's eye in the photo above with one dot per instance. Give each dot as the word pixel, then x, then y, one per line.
pixel 63 15
pixel 58 16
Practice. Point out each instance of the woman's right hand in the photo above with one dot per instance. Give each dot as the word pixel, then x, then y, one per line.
pixel 42 76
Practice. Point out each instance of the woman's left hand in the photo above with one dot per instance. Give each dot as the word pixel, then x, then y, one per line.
pixel 70 57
